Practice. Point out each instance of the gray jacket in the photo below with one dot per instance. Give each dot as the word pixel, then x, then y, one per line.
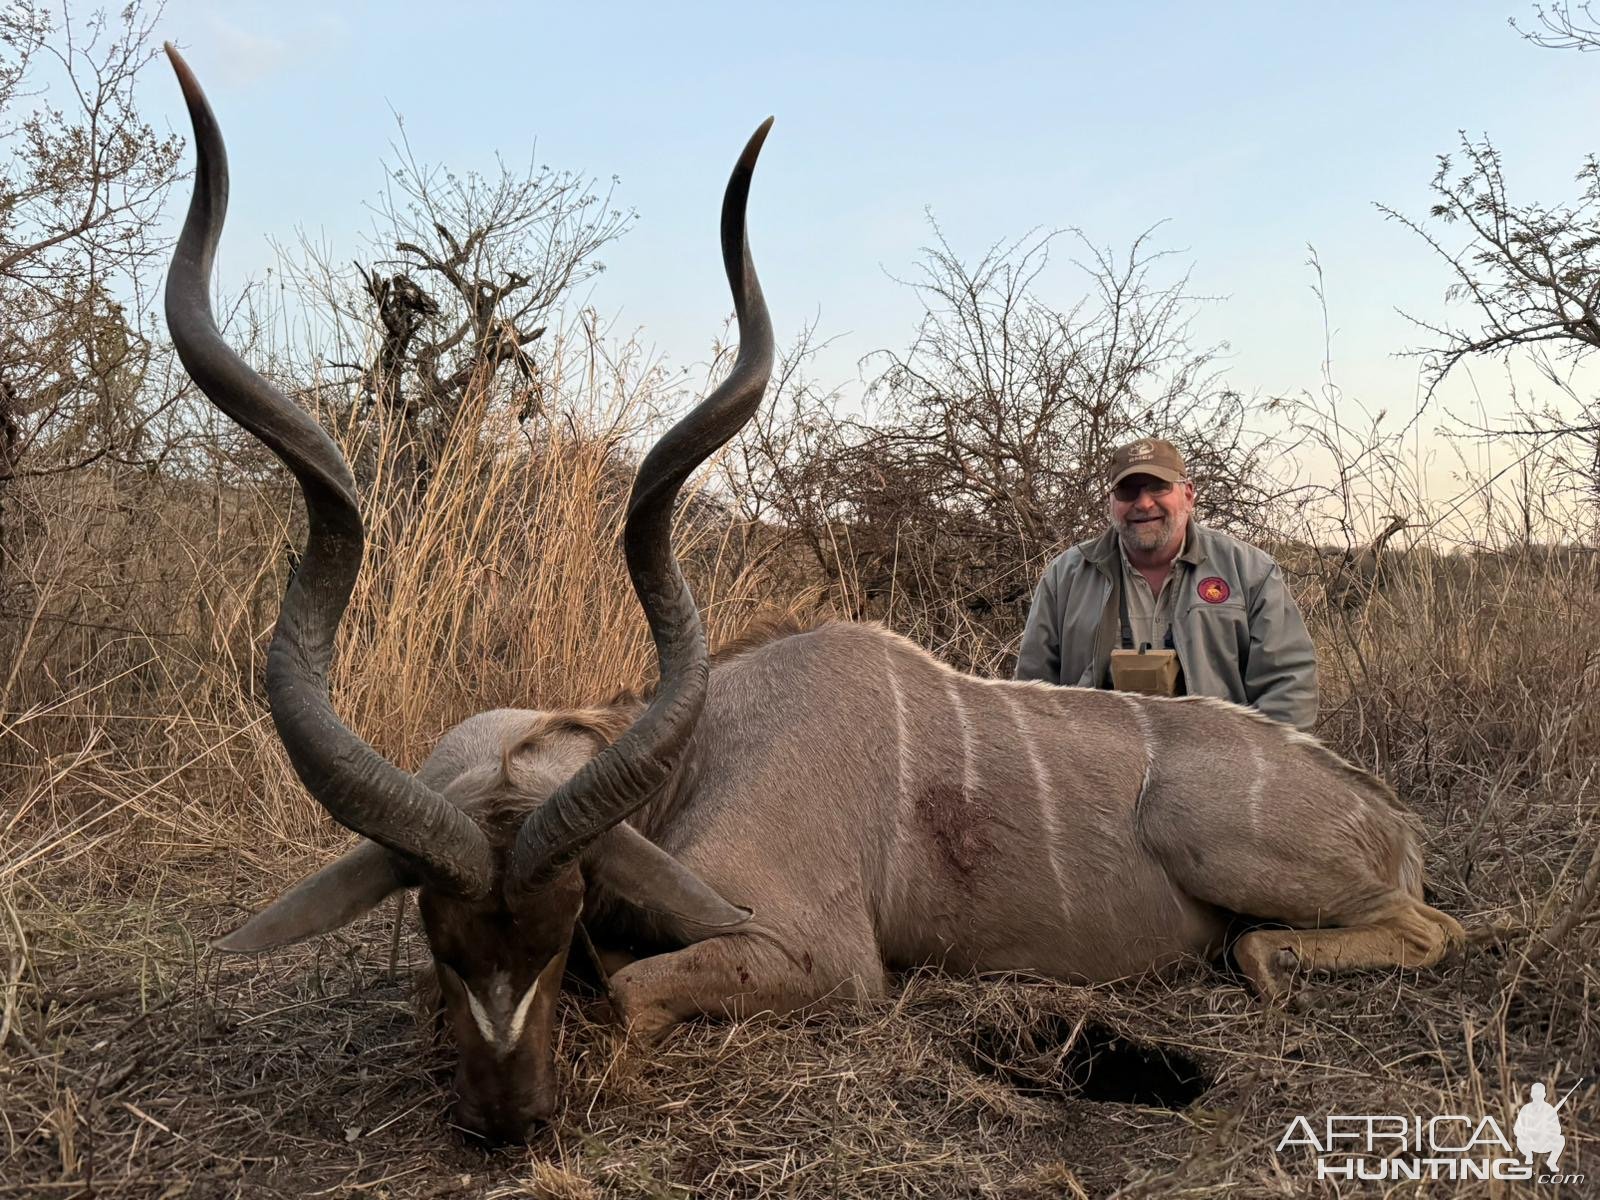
pixel 1237 631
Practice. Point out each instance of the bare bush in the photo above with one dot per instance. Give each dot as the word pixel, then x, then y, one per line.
pixel 466 276
pixel 988 435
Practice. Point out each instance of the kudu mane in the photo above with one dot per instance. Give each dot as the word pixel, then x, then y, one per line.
pixel 500 801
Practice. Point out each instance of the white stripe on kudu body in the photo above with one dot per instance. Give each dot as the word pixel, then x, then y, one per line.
pixel 902 768
pixel 1148 734
pixel 1041 791
pixel 952 689
pixel 1258 783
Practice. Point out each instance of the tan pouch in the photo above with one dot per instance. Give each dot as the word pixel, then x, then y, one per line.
pixel 1151 672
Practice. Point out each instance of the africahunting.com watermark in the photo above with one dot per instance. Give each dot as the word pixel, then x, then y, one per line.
pixel 1395 1147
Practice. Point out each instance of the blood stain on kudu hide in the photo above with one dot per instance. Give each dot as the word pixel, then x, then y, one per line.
pixel 957 824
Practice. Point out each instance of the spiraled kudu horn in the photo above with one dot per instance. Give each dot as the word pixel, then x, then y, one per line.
pixel 625 774
pixel 360 788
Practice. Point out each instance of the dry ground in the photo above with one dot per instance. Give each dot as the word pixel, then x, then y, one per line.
pixel 139 1065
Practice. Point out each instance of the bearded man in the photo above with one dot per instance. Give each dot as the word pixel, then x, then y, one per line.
pixel 1160 597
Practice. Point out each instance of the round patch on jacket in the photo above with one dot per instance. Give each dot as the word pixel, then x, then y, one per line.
pixel 1213 589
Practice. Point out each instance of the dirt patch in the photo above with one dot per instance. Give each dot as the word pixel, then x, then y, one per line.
pixel 1091 1061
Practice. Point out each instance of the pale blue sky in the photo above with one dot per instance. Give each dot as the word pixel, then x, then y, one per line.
pixel 1252 129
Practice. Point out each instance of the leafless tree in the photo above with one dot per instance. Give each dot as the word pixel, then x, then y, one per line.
pixel 1530 271
pixel 81 183
pixel 1562 26
pixel 466 273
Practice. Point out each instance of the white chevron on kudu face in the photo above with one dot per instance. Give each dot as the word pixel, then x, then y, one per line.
pixel 501 1029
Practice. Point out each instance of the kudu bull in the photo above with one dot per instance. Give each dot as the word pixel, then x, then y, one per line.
pixel 803 815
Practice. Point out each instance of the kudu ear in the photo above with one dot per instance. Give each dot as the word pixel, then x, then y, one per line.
pixel 320 903
pixel 645 875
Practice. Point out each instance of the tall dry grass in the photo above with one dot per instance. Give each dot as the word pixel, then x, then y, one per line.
pixel 1469 680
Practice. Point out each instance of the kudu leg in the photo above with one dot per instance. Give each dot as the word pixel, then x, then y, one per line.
pixel 737 975
pixel 1340 865
pixel 1411 934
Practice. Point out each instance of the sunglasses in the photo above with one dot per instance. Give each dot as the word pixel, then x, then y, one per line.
pixel 1128 490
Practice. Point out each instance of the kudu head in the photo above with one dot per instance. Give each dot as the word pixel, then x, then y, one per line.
pixel 499 858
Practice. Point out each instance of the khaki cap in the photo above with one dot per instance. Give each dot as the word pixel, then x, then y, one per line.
pixel 1148 456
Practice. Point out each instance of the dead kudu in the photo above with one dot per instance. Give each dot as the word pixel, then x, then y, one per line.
pixel 801 817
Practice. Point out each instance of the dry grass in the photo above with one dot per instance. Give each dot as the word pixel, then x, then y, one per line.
pixel 147 803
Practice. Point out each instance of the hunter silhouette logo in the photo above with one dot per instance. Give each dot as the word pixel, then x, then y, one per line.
pixel 1391 1147
pixel 1538 1127
pixel 1213 590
